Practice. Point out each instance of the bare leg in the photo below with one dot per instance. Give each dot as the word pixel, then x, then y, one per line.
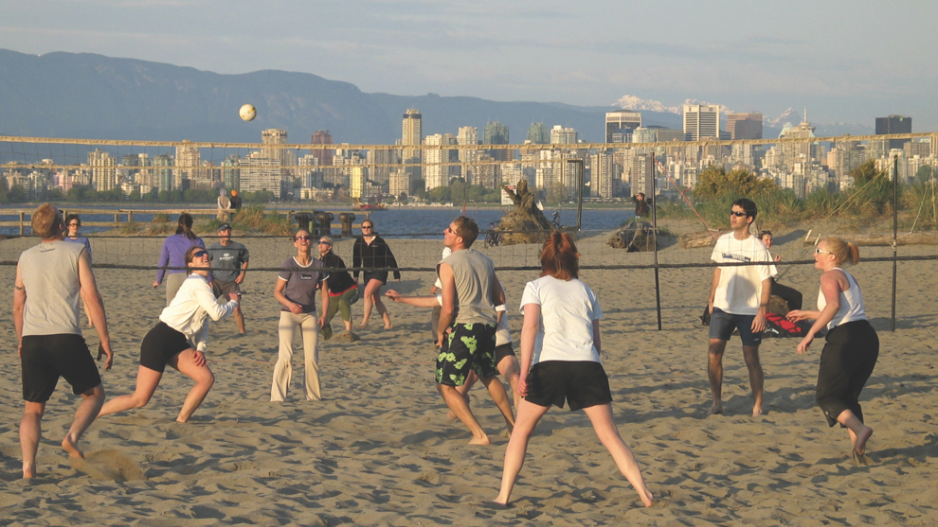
pixel 859 433
pixel 379 305
pixel 458 405
pixel 756 377
pixel 85 415
pixel 497 391
pixel 463 390
pixel 605 427
pixel 30 433
pixel 370 298
pixel 510 370
pixel 203 377
pixel 147 381
pixel 528 416
pixel 239 318
pixel 715 373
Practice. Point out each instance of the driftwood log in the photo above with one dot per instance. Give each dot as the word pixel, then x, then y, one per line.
pixel 525 223
pixel 634 236
pixel 904 238
pixel 694 240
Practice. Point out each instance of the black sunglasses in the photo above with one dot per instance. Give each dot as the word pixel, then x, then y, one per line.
pixel 737 213
pixel 298 238
pixel 199 254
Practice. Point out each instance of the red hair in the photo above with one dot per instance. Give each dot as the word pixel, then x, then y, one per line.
pixel 559 257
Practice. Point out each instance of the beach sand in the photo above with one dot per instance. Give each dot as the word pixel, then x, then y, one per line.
pixel 379 450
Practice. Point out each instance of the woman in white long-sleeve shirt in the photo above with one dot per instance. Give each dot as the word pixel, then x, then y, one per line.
pixel 179 340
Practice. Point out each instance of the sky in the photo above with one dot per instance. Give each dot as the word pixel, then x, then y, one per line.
pixel 843 61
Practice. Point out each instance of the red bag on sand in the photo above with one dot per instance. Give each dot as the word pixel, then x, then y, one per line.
pixel 779 326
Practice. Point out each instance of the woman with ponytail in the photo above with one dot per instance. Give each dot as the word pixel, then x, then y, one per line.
pixel 852 347
pixel 174 254
pixel 560 349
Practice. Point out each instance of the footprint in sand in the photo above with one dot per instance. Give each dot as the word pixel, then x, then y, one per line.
pixel 109 465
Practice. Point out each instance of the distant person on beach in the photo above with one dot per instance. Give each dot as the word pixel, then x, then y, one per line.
pixel 235 200
pixel 371 252
pixel 299 279
pixel 641 205
pixel 739 298
pixel 792 296
pixel 343 290
pixel 173 255
pixel 50 278
pixel 230 264
pixel 505 359
pixel 73 222
pixel 466 334
pixel 179 340
pixel 223 205
pixel 852 347
pixel 560 362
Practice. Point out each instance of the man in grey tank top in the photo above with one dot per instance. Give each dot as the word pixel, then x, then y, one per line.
pixel 467 325
pixel 50 278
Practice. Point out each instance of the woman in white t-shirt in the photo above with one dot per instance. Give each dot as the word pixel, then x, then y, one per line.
pixel 560 349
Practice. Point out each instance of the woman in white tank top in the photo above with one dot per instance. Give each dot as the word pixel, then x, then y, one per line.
pixel 852 347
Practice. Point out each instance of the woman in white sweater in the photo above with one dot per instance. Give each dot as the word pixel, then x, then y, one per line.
pixel 560 363
pixel 179 340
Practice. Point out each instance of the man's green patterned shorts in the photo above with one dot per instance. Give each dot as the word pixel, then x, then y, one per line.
pixel 467 347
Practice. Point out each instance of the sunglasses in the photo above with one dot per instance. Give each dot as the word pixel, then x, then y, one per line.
pixel 324 243
pixel 199 254
pixel 298 238
pixel 737 213
pixel 74 225
pixel 819 251
pixel 367 227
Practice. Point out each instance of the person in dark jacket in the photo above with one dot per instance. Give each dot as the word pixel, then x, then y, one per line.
pixel 372 253
pixel 343 289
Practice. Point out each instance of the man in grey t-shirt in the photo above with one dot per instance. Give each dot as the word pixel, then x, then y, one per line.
pixel 50 278
pixel 229 266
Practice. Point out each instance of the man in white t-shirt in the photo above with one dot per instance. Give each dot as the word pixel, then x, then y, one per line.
pixel 739 298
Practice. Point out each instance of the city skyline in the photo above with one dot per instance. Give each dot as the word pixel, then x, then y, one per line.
pixel 791 55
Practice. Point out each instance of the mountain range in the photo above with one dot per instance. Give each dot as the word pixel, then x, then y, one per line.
pixel 83 95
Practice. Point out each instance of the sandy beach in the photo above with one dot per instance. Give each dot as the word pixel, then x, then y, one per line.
pixel 378 449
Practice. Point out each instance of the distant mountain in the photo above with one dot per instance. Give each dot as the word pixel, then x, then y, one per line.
pixel 91 96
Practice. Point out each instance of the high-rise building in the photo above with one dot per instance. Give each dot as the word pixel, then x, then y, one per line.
pixel 701 121
pixel 622 122
pixel 467 135
pixel 187 164
pixel 538 134
pixel 603 175
pixel 261 173
pixel 496 134
pixel 644 135
pixel 271 137
pixel 103 170
pixel 435 174
pixel 412 134
pixel 894 124
pixel 322 137
pixel 164 174
pixel 744 125
pixel 563 136
pixel 399 183
pixel 230 173
pixel 642 175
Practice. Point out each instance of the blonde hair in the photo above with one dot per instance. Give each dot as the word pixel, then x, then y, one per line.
pixel 46 221
pixel 843 251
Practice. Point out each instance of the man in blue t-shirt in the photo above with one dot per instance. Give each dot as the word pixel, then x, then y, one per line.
pixel 229 265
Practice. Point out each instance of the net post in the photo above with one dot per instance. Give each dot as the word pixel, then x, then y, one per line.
pixel 895 233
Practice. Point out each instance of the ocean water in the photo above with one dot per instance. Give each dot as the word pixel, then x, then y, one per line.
pixel 392 223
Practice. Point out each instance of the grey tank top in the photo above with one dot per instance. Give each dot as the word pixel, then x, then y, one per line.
pixel 50 274
pixel 473 272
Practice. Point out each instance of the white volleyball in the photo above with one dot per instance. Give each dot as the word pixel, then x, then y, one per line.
pixel 248 112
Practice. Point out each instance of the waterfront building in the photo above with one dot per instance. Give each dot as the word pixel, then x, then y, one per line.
pixel 103 170
pixel 187 164
pixel 666 135
pixel 538 134
pixel 560 135
pixel 701 121
pixel 412 134
pixel 383 162
pixel 399 183
pixel 621 122
pixel 603 175
pixel 496 133
pixel 164 172
pixel 744 125
pixel 642 174
pixel 322 137
pixel 261 173
pixel 230 173
pixel 433 173
pixel 309 171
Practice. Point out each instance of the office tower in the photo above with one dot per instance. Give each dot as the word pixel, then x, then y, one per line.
pixel 621 122
pixel 894 124
pixel 603 175
pixel 496 134
pixel 701 121
pixel 642 175
pixel 322 137
pixel 643 135
pixel 399 183
pixel 412 134
pixel 538 134
pixel 230 173
pixel 666 135
pixel 164 174
pixel 271 137
pixel 744 125
pixel 187 164
pixel 563 136
pixel 103 171
pixel 435 175
pixel 383 161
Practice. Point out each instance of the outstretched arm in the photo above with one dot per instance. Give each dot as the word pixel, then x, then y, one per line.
pixel 417 301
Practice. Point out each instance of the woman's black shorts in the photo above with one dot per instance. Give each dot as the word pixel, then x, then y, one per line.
pixel 161 344
pixel 381 276
pixel 581 383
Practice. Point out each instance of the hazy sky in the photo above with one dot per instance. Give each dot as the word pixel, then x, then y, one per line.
pixel 844 60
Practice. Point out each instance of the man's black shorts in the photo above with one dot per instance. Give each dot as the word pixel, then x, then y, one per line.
pixel 48 357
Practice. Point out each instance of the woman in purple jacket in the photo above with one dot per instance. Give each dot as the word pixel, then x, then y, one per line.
pixel 174 255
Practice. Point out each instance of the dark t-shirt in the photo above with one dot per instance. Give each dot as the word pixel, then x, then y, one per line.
pixel 302 283
pixel 227 261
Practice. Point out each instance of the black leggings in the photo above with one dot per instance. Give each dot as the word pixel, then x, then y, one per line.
pixel 847 362
pixel 788 294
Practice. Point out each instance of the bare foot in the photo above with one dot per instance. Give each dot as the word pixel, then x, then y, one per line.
pixel 484 440
pixel 29 471
pixel 72 448
pixel 756 412
pixel 389 326
pixel 450 416
pixel 501 502
pixel 363 325
pixel 862 438
pixel 647 498
pixel 716 409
